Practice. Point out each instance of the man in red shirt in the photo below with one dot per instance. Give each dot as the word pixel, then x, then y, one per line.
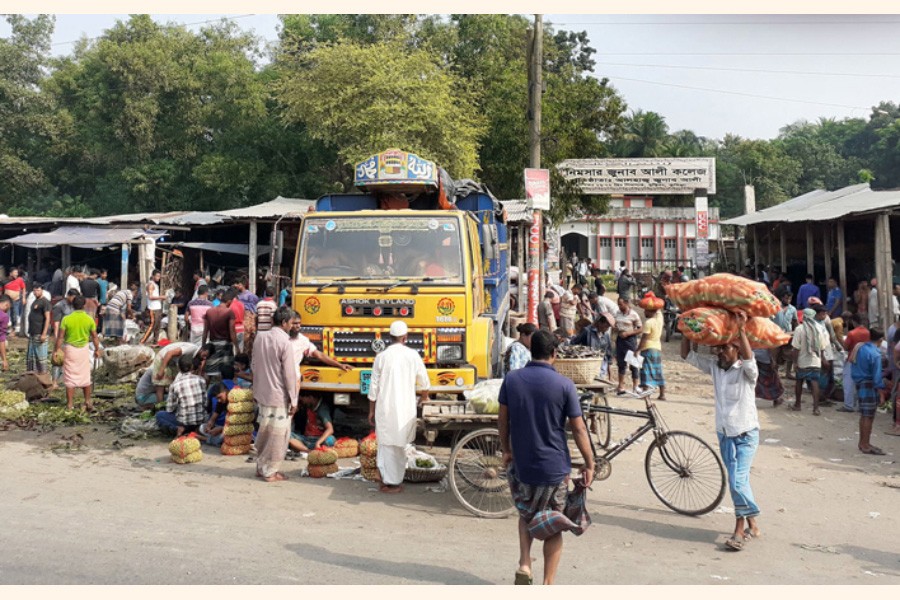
pixel 237 307
pixel 858 334
pixel 15 289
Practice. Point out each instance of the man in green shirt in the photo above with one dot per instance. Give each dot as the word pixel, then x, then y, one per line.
pixel 76 330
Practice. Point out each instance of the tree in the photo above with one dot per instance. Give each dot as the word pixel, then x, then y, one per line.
pixel 644 134
pixel 26 119
pixel 161 118
pixel 361 99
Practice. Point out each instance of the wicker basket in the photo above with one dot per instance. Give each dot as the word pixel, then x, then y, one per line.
pixel 579 370
pixel 416 475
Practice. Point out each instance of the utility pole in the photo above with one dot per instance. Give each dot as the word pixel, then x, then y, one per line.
pixel 536 237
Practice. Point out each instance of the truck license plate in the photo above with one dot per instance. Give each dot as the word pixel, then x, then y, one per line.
pixel 365 378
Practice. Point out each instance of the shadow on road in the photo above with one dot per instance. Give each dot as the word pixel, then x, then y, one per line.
pixel 406 570
pixel 656 529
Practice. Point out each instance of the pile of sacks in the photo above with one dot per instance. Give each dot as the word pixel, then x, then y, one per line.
pixel 238 433
pixel 186 449
pixel 708 311
pixel 368 458
pixel 346 447
pixel 322 461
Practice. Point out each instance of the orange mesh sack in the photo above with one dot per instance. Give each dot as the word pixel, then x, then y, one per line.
pixel 318 471
pixel 724 290
pixel 651 302
pixel 764 333
pixel 708 326
pixel 346 447
pixel 368 446
pixel 322 456
pixel 229 450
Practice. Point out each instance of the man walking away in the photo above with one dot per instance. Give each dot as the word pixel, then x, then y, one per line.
pixel 809 343
pixel 734 374
pixel 275 391
pixel 856 334
pixel 219 330
pixel 38 324
pixel 265 308
pixel 396 375
pixel 196 310
pixel 807 290
pixel 77 330
pixel 835 299
pixel 866 359
pixel 536 402
pixel 626 284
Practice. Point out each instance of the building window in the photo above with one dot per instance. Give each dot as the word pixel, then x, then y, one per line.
pixel 605 242
pixel 620 242
pixel 647 243
pixel 691 244
pixel 669 244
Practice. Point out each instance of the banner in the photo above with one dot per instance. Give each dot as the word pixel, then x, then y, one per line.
pixel 534 268
pixel 537 188
pixel 641 175
pixel 701 242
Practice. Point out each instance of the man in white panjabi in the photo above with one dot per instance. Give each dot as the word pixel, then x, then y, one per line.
pixel 396 375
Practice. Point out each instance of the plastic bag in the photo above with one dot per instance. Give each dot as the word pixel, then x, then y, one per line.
pixel 484 397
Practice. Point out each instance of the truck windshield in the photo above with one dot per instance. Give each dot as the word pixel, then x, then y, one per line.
pixel 383 248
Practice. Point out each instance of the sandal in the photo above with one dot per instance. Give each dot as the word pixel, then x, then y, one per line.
pixel 817 412
pixel 873 450
pixel 523 578
pixel 735 543
pixel 748 535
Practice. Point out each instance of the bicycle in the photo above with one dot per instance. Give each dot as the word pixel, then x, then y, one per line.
pixel 683 471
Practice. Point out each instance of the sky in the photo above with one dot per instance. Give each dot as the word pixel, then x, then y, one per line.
pixel 747 75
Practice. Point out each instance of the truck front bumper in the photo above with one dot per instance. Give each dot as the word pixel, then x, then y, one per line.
pixel 449 380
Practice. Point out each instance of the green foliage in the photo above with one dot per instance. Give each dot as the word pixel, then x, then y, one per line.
pixel 361 99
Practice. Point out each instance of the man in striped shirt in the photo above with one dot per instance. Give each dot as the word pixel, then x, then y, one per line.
pixel 114 314
pixel 265 308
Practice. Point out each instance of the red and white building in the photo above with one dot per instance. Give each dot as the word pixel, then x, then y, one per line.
pixel 646 237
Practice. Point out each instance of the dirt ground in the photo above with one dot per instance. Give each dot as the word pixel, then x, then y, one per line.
pixel 84 505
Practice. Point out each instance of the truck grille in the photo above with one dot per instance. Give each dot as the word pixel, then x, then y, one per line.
pixel 360 346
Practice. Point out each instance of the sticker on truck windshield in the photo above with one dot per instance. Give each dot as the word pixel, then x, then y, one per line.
pixel 313 229
pixel 449 227
pixel 433 224
pixel 330 226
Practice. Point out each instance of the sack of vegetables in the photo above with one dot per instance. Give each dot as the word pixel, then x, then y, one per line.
pixel 712 326
pixel 346 447
pixel 724 290
pixel 185 449
pixel 322 456
pixel 651 302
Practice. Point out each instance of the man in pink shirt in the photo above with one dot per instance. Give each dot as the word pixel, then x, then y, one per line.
pixel 238 309
pixel 197 308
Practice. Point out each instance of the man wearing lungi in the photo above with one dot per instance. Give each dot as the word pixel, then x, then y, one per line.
pixel 536 402
pixel 219 330
pixel 866 359
pixel 275 391
pixel 76 330
pixel 396 374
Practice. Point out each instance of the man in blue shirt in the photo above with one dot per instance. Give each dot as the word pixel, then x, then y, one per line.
pixel 867 377
pixel 535 404
pixel 807 291
pixel 835 301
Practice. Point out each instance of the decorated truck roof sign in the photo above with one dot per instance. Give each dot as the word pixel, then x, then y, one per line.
pixel 395 169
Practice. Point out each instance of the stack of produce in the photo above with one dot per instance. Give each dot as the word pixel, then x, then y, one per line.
pixel 651 302
pixel 346 447
pixel 12 404
pixel 567 351
pixel 709 305
pixel 322 461
pixel 368 458
pixel 239 417
pixel 185 449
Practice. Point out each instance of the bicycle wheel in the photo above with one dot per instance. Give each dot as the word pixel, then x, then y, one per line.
pixel 599 424
pixel 685 473
pixel 477 475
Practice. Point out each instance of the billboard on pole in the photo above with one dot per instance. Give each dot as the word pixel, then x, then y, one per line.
pixel 537 188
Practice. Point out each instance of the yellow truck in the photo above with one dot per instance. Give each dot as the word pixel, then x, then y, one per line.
pixel 413 246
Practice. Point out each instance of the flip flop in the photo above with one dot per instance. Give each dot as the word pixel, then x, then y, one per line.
pixel 873 450
pixel 748 535
pixel 523 578
pixel 734 543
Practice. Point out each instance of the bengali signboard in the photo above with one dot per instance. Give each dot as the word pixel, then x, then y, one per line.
pixel 701 242
pixel 641 175
pixel 537 188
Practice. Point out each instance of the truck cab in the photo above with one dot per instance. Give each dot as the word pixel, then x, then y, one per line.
pixel 400 252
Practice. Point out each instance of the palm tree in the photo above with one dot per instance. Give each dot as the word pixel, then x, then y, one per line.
pixel 644 134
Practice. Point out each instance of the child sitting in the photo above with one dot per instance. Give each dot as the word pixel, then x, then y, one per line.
pixel 217 405
pixel 318 429
pixel 244 377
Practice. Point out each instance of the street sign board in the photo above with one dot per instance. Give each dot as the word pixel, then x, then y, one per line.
pixel 641 175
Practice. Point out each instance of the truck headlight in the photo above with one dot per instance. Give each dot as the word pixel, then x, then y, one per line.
pixel 449 353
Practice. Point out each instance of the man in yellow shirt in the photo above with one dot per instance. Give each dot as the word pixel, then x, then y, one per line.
pixel 650 349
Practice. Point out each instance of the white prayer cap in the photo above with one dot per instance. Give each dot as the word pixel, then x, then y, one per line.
pixel 399 329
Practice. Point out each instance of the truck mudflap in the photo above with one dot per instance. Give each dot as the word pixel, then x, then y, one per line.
pixel 444 380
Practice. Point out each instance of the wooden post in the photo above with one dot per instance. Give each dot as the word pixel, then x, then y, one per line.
pixel 883 269
pixel 810 255
pixel 783 249
pixel 842 262
pixel 251 265
pixel 769 255
pixel 826 245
